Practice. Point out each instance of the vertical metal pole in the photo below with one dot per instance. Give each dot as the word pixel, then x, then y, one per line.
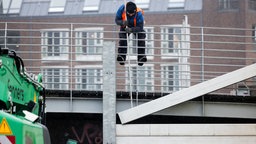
pixel 109 93
pixel 129 68
pixel 202 44
pixel 71 67
pixel 202 68
pixel 5 35
pixel 137 72
pixel 202 54
pixel 202 41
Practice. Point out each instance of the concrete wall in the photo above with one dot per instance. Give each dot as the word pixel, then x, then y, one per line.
pixel 186 134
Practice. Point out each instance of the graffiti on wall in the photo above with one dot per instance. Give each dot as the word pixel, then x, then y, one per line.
pixel 91 133
pixel 75 129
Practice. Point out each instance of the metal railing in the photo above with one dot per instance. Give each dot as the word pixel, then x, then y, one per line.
pixel 69 55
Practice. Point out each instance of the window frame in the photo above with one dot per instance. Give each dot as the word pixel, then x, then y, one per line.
pixel 91 7
pixel 176 4
pixel 98 43
pixel 166 50
pixel 97 77
pixel 226 5
pixel 252 5
pixel 165 73
pixel 57 6
pixel 143 4
pixel 138 86
pixel 63 44
pixel 254 33
pixel 63 77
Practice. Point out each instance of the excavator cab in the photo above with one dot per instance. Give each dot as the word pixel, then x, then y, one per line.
pixel 22 101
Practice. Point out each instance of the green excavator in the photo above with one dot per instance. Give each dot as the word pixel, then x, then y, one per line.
pixel 22 103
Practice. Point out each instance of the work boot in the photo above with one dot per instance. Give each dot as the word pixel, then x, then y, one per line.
pixel 141 60
pixel 120 59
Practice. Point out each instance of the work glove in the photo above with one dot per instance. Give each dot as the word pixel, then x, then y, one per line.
pixel 128 30
pixel 125 23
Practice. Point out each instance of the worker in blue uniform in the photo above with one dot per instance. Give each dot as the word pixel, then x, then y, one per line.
pixel 131 20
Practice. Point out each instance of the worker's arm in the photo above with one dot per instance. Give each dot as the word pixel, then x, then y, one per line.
pixel 139 24
pixel 118 18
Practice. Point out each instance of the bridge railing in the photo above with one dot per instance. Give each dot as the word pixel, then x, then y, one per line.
pixel 69 55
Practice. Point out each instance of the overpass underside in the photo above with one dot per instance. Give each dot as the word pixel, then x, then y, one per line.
pixel 204 109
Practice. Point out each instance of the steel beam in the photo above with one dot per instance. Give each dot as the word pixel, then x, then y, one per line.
pixel 187 94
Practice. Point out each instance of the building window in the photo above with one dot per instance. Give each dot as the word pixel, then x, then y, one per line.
pixel 143 4
pixel 12 39
pixel 228 4
pixel 55 45
pixel 176 4
pixel 169 78
pixel 170 40
pixel 91 5
pixel 89 42
pixel 11 6
pixel 149 40
pixel 57 6
pixel 142 78
pixel 55 78
pixel 252 4
pixel 89 79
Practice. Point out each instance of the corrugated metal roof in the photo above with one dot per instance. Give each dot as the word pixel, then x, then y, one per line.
pixel 158 5
pixel 109 6
pixel 34 8
pixel 75 7
pixel 193 5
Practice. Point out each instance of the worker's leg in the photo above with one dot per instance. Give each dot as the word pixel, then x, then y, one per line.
pixel 122 49
pixel 141 49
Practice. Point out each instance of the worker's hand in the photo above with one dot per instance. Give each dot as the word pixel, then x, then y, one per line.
pixel 125 23
pixel 128 30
